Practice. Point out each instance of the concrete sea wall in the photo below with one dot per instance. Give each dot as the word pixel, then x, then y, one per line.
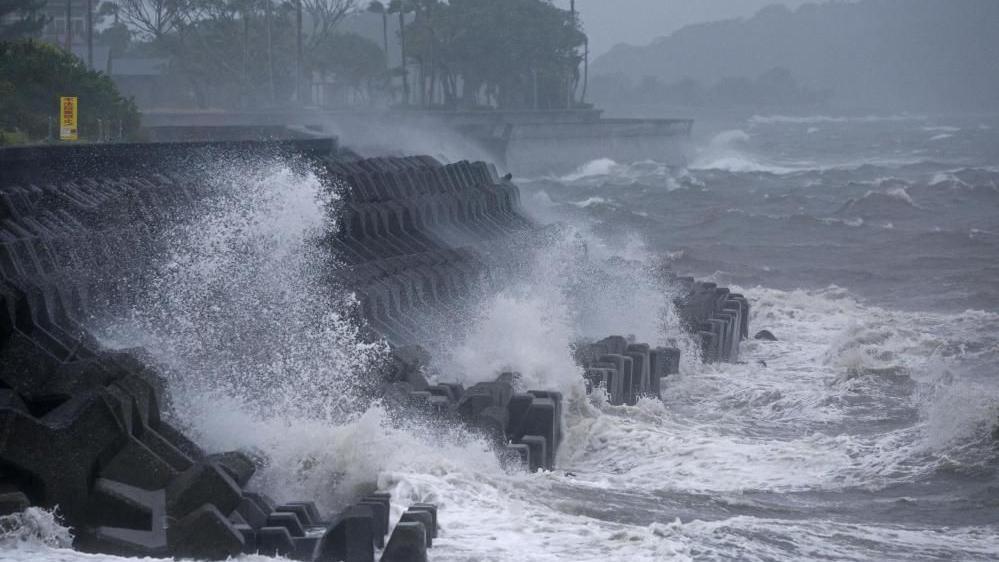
pixel 88 428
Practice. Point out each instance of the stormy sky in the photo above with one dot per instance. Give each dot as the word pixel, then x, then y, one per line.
pixel 638 22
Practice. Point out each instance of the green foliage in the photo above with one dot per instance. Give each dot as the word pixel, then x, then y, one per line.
pixel 517 53
pixel 224 56
pixel 116 37
pixel 349 57
pixel 34 75
pixel 21 18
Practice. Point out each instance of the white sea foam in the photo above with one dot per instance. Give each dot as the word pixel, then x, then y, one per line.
pixel 590 202
pixel 728 151
pixel 599 167
pixel 901 194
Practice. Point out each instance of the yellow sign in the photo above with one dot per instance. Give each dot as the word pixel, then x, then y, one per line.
pixel 67 118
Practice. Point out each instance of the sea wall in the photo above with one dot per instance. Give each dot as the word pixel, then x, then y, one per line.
pixel 415 239
pixel 86 429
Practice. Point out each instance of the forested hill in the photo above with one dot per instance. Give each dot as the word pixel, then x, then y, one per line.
pixel 899 54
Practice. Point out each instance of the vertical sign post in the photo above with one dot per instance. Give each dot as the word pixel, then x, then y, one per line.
pixel 67 119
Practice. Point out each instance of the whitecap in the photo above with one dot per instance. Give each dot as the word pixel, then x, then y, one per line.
pixel 590 202
pixel 598 167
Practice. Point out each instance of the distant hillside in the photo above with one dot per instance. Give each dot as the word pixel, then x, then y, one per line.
pixel 898 54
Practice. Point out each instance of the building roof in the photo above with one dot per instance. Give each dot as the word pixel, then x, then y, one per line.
pixel 127 66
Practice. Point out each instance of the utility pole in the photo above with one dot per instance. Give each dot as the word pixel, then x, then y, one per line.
pixel 90 34
pixel 571 90
pixel 385 36
pixel 69 26
pixel 270 49
pixel 402 43
pixel 298 50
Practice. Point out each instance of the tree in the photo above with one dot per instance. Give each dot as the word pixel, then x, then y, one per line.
pixel 357 63
pixel 21 18
pixel 514 53
pixel 325 16
pixel 33 75
pixel 152 19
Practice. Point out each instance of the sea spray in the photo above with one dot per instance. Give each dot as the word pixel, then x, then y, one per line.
pixel 260 350
pixel 34 527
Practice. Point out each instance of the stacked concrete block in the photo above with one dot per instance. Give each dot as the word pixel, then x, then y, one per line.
pixel 124 479
pixel 625 370
pixel 718 317
pixel 412 232
pixel 524 427
pixel 84 427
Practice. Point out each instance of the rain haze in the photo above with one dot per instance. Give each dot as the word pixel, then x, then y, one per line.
pixel 499 280
pixel 639 22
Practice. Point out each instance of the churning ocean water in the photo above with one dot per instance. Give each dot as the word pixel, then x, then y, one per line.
pixel 868 246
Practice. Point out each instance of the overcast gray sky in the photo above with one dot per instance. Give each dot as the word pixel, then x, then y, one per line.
pixel 638 22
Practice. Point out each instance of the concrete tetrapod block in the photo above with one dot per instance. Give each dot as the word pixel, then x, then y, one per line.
pixel 516 410
pixel 616 345
pixel 612 379
pixel 237 465
pixel 305 548
pixel 620 394
pixel 640 384
pixel 204 534
pixel 262 501
pixel 718 329
pixel 731 348
pixel 203 483
pixel 538 447
pixel 76 434
pixel 130 521
pixel 423 517
pixel 274 541
pixel 658 369
pixel 430 508
pixel 408 543
pixel 137 465
pixel 708 346
pixel 350 539
pixel 516 455
pixel 744 310
pixel 380 511
pixel 249 535
pixel 287 520
pixel 311 511
pixel 252 513
pixel 300 510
